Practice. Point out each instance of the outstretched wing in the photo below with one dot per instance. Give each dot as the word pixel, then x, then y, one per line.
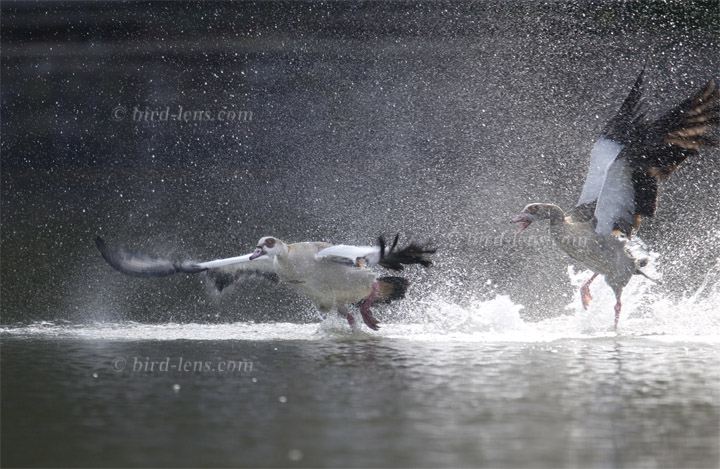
pixel 679 133
pixel 144 265
pixel 647 152
pixel 386 256
pixel 617 135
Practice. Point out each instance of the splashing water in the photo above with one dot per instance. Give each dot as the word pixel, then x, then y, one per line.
pixel 647 308
pixel 648 311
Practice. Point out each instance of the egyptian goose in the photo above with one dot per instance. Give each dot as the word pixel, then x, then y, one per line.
pixel 629 159
pixel 332 277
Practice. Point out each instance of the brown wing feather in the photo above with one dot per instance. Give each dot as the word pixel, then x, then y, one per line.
pixel 666 143
pixel 681 132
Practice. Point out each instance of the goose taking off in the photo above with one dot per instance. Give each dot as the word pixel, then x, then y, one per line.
pixel 629 159
pixel 332 277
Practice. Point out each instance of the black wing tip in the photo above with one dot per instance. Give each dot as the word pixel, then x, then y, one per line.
pixel 397 259
pixel 641 76
pixel 105 251
pixel 629 118
pixel 383 244
pixel 223 281
pixel 143 265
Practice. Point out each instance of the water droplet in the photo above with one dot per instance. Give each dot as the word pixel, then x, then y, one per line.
pixel 95 375
pixel 282 399
pixel 254 380
pixel 295 455
pixel 176 387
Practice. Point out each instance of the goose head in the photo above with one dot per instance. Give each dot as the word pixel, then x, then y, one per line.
pixel 534 212
pixel 269 246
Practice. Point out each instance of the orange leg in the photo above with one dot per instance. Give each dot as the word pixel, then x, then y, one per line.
pixel 585 292
pixel 367 315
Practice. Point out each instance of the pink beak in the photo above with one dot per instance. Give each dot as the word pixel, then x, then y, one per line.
pixel 524 219
pixel 257 253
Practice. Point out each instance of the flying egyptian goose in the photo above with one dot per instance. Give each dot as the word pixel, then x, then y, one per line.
pixel 332 277
pixel 629 159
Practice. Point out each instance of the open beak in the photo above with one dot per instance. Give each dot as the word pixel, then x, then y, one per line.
pixel 523 218
pixel 259 251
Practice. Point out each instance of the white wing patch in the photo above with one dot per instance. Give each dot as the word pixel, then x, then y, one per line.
pixel 601 157
pixel 223 262
pixel 353 253
pixel 617 197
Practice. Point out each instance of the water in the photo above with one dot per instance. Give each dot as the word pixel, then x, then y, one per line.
pixel 471 387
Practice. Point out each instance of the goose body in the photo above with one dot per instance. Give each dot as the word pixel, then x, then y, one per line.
pixel 626 164
pixel 329 282
pixel 331 277
pixel 604 254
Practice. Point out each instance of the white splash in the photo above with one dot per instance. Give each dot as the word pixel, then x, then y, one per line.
pixel 647 308
pixel 648 312
pixel 133 331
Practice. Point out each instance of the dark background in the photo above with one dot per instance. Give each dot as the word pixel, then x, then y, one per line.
pixel 438 120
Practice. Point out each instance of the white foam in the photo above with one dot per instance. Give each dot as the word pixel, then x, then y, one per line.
pixel 647 309
pixel 129 331
pixel 648 312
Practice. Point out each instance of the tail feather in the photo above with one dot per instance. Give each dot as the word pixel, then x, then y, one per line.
pixel 391 289
pixel 640 272
pixel 397 259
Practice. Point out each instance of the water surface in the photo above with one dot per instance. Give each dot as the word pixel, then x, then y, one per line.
pixel 312 395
